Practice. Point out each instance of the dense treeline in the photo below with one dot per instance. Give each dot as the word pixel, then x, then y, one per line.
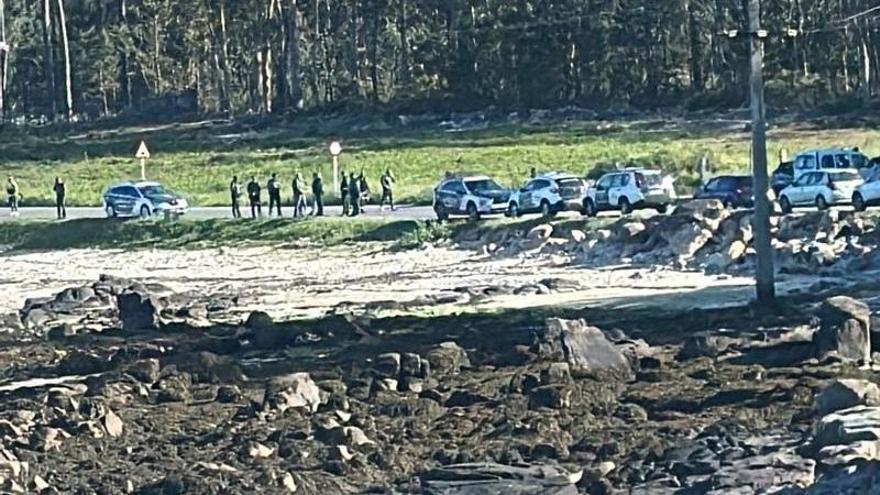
pixel 91 58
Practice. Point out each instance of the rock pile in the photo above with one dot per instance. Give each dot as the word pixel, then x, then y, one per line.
pixel 702 234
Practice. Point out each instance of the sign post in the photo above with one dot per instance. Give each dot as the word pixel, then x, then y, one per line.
pixel 335 151
pixel 142 154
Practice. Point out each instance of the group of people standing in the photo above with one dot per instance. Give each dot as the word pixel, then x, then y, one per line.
pixel 353 191
pixel 14 195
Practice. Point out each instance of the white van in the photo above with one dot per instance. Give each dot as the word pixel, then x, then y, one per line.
pixel 829 159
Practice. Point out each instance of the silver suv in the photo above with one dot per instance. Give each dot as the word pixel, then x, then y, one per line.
pixel 630 189
pixel 470 195
pixel 547 194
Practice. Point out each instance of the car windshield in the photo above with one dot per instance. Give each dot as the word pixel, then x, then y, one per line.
pixel 155 190
pixel 845 176
pixel 483 185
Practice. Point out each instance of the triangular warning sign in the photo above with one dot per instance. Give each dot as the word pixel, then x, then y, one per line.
pixel 142 151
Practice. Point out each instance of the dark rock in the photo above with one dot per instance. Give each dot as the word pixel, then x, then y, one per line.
pixel 144 370
pixel 265 334
pixel 412 365
pixel 83 363
pixel 465 398
pixel 174 388
pixel 556 373
pixel 845 329
pixel 387 365
pixel 846 393
pixel 584 348
pixel 63 331
pixel 702 346
pixel 138 311
pixel 552 396
pixel 496 479
pixel 448 358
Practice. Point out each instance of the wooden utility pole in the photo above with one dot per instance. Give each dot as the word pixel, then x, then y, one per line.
pixel 766 288
pixel 68 70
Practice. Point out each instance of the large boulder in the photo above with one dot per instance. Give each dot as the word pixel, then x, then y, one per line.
pixel 847 393
pixel 848 435
pixel 497 479
pixel 686 240
pixel 448 358
pixel 845 329
pixel 583 347
pixel 138 310
pixel 296 390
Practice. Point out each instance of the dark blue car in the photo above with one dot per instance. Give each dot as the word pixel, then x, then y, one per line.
pixel 734 191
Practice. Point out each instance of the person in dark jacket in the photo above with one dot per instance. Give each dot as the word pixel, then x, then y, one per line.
pixel 60 192
pixel 343 194
pixel 234 195
pixel 387 193
pixel 253 191
pixel 274 195
pixel 354 193
pixel 12 193
pixel 318 195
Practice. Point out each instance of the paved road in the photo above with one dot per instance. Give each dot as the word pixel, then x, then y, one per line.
pixel 41 213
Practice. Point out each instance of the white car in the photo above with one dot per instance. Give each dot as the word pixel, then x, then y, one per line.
pixel 142 199
pixel 829 159
pixel 868 193
pixel 547 194
pixel 470 195
pixel 630 189
pixel 821 189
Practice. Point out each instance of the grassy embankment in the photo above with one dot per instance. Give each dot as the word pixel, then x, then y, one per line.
pixel 199 159
pixel 136 234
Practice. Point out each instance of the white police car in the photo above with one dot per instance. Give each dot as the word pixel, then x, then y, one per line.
pixel 630 189
pixel 547 194
pixel 470 195
pixel 142 199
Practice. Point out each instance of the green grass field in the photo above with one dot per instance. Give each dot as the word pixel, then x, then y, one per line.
pixel 199 159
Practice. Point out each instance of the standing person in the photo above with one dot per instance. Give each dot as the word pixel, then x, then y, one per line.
pixel 365 190
pixel 253 191
pixel 387 194
pixel 12 194
pixel 299 195
pixel 60 192
pixel 343 193
pixel 354 193
pixel 274 195
pixel 533 173
pixel 318 193
pixel 234 194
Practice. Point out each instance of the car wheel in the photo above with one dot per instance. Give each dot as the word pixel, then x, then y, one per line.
pixel 589 208
pixel 472 212
pixel 145 211
pixel 546 210
pixel 785 205
pixel 726 204
pixel 821 204
pixel 110 211
pixel 625 207
pixel 512 210
pixel 859 202
pixel 441 214
pixel 662 209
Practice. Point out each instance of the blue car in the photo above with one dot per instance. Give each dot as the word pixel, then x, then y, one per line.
pixel 734 191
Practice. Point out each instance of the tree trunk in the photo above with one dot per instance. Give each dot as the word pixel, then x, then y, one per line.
pixel 4 57
pixel 405 69
pixel 157 68
pixel 695 49
pixel 292 65
pixel 49 57
pixel 68 70
pixel 223 62
pixel 124 76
